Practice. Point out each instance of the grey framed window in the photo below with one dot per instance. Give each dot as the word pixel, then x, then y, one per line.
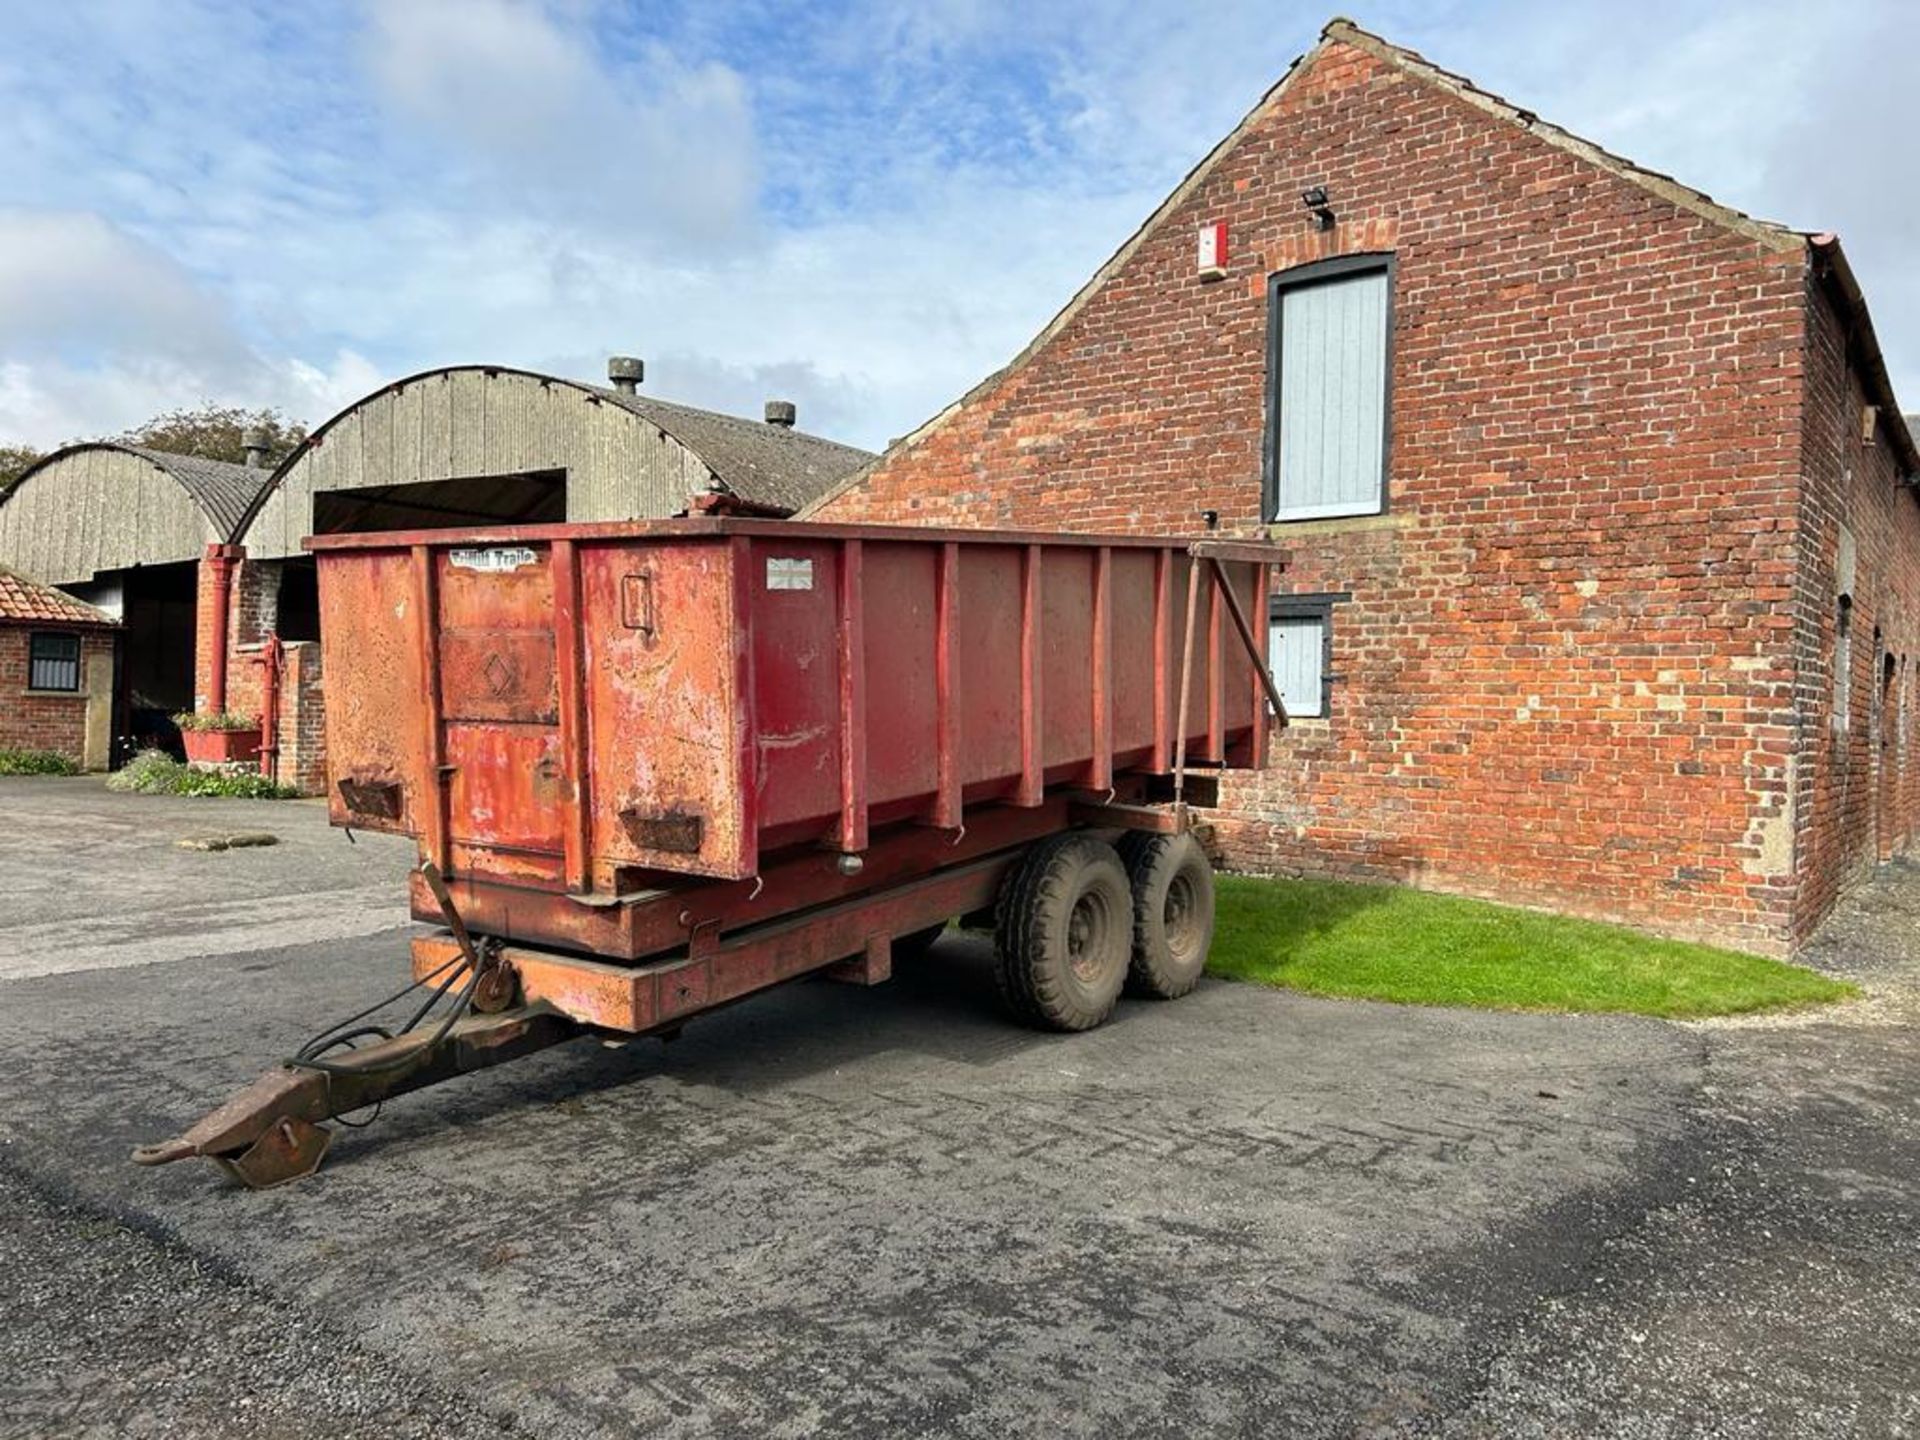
pixel 53 661
pixel 1329 371
pixel 1300 651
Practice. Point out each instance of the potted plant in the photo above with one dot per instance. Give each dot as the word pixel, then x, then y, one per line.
pixel 218 737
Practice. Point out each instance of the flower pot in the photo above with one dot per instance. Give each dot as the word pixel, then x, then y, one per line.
pixel 221 747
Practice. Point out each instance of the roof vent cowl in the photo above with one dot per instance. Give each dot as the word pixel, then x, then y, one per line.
pixel 626 372
pixel 255 443
pixel 782 413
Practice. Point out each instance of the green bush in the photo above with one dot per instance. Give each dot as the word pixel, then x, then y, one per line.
pixel 154 772
pixel 36 762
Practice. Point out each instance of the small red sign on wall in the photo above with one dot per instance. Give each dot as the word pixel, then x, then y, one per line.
pixel 1213 250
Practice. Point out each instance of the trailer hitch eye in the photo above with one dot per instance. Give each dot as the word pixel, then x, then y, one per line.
pixel 377 798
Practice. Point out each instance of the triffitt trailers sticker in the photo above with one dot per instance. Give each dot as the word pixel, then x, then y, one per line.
pixel 495 561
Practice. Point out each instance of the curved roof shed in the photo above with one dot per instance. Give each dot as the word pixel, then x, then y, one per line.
pixel 106 506
pixel 473 428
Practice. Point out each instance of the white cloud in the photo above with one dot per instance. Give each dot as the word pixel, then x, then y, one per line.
pixel 662 147
pixel 70 278
pixel 103 330
pixel 304 390
pixel 865 211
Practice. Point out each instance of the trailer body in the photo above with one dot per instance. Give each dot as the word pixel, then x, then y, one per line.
pixel 588 710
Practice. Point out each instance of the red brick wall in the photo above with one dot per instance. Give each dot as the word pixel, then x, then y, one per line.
pixel 252 612
pixel 1564 673
pixel 30 721
pixel 303 719
pixel 1857 792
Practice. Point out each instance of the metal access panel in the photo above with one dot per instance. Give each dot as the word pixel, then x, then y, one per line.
pixel 559 707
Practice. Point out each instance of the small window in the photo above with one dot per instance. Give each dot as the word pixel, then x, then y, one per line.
pixel 1299 645
pixel 1329 326
pixel 1841 714
pixel 53 662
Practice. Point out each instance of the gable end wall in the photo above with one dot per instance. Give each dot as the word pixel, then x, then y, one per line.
pixel 1564 675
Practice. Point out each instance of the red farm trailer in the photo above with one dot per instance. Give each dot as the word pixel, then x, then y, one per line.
pixel 655 767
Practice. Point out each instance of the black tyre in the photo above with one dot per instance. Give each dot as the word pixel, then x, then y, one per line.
pixel 1063 933
pixel 1172 913
pixel 913 947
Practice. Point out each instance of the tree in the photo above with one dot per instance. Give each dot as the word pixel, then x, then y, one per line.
pixel 217 432
pixel 15 461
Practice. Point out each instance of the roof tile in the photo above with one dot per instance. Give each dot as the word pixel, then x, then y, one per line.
pixel 24 601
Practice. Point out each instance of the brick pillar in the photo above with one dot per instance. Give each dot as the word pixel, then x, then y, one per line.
pixel 213 626
pixel 303 717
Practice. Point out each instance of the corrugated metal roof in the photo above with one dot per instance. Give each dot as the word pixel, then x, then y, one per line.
pixel 768 466
pixel 221 490
pixel 24 601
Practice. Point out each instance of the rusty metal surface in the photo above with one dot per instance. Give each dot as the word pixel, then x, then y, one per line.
pixel 553 708
pixel 370 802
pixel 1252 551
pixel 650 921
pixel 712 970
pixel 1256 653
pixel 291 1149
pixel 358 1079
pixel 373 699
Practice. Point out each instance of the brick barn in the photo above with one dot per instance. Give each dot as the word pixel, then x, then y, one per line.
pixel 56 672
pixel 1605 583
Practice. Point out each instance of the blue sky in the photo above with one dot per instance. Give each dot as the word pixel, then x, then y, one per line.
pixel 864 208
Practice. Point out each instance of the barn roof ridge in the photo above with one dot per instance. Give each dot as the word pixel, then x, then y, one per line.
pixel 220 489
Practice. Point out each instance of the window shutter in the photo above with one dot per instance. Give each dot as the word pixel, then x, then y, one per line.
pixel 1332 397
pixel 1296 649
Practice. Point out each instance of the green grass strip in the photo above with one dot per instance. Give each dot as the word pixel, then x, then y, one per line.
pixel 1382 942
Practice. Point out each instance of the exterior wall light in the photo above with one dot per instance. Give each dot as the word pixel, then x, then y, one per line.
pixel 1314 197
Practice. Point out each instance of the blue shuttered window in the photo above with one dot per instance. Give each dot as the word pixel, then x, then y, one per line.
pixel 1327 434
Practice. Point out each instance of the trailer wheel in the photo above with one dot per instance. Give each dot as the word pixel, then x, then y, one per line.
pixel 1172 913
pixel 1063 933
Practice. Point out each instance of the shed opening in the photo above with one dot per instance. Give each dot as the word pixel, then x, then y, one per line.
pixel 153 680
pixel 297 605
pixel 534 497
